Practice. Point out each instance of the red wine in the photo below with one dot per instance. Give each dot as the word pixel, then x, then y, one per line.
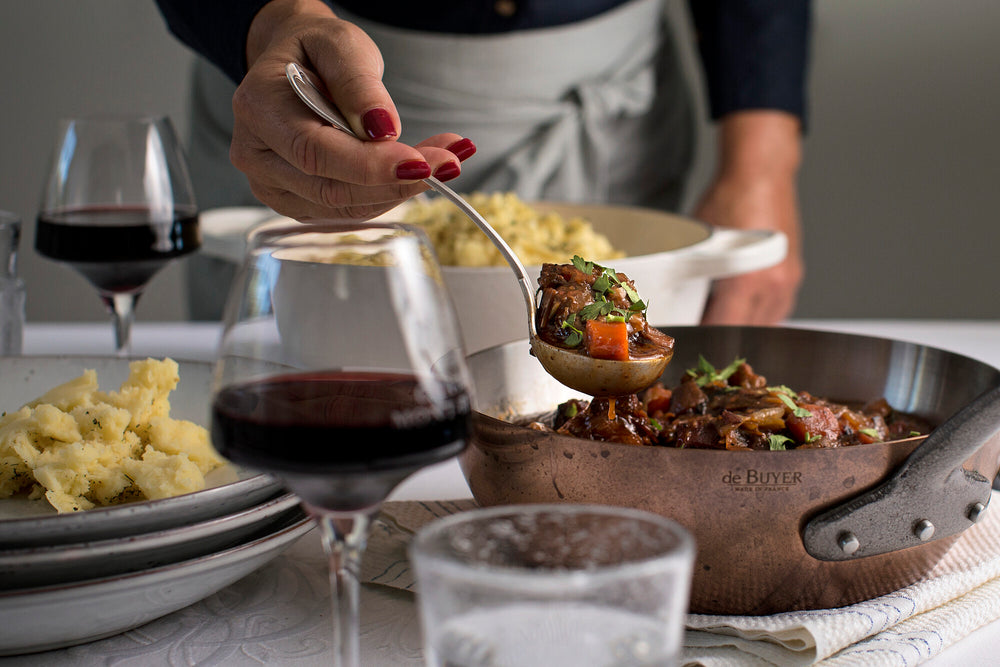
pixel 116 249
pixel 338 423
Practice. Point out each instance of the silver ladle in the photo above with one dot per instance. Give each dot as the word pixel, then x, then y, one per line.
pixel 597 377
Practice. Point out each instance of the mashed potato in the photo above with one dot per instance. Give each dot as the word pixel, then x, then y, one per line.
pixel 80 447
pixel 536 238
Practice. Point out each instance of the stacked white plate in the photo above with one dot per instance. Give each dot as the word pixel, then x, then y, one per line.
pixel 70 578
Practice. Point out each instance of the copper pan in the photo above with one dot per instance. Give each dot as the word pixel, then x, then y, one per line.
pixel 775 531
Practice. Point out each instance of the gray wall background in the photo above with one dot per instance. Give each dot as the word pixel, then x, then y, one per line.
pixel 900 199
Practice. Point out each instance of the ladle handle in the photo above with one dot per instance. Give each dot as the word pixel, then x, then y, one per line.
pixel 930 495
pixel 314 98
pixel 523 279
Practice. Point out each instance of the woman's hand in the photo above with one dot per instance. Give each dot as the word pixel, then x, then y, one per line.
pixel 755 188
pixel 298 164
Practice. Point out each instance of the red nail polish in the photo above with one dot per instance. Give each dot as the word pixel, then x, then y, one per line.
pixel 378 124
pixel 413 170
pixel 463 149
pixel 447 171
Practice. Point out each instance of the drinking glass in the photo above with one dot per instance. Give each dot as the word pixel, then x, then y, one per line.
pixel 553 586
pixel 117 206
pixel 340 370
pixel 12 292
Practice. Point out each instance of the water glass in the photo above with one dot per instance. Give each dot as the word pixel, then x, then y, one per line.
pixel 553 585
pixel 12 291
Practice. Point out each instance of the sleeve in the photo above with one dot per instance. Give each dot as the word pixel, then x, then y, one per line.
pixel 216 29
pixel 754 53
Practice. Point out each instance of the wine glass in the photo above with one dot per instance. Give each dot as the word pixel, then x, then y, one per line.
pixel 117 206
pixel 341 370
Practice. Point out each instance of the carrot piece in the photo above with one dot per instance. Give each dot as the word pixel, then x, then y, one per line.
pixel 607 340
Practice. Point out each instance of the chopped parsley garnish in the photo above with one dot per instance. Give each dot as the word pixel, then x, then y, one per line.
pixel 602 284
pixel 796 410
pixel 870 432
pixel 583 265
pixel 705 373
pixel 575 336
pixel 783 389
pixel 594 310
pixel 777 442
pixel 601 307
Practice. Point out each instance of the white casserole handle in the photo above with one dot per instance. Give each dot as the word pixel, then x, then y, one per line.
pixel 729 252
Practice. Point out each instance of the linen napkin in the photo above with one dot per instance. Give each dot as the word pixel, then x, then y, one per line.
pixel 959 595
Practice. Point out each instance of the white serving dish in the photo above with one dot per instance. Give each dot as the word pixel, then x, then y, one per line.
pixel 671 258
pixel 25 523
pixel 41 619
pixel 76 561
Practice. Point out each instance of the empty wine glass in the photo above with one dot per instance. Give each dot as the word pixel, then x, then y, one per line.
pixel 341 370
pixel 117 206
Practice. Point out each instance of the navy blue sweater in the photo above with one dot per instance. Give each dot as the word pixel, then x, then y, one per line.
pixel 754 52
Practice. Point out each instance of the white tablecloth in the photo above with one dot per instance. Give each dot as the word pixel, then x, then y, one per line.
pixel 211 634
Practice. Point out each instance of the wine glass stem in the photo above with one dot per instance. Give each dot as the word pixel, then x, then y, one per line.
pixel 344 538
pixel 122 308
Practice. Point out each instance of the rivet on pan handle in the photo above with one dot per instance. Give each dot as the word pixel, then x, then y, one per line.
pixel 929 497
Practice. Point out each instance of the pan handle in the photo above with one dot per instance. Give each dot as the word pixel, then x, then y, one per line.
pixel 930 495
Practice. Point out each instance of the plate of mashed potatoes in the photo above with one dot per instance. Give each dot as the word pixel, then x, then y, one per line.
pixel 59 615
pixel 96 448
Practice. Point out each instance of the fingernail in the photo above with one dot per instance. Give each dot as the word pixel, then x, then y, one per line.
pixel 447 171
pixel 378 124
pixel 463 149
pixel 413 170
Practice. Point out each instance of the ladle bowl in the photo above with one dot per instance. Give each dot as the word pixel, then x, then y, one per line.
pixel 597 377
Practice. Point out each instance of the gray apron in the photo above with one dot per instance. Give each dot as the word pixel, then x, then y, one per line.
pixel 595 111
